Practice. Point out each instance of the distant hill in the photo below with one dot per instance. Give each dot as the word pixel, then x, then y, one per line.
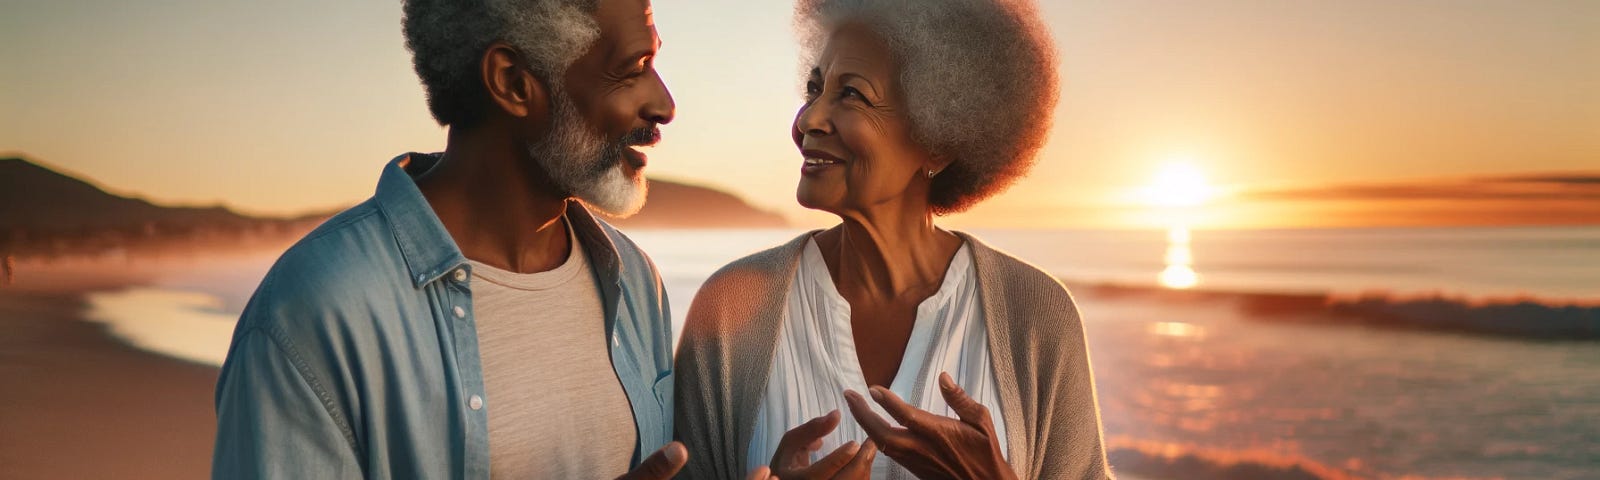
pixel 46 212
pixel 36 199
pixel 679 205
pixel 43 211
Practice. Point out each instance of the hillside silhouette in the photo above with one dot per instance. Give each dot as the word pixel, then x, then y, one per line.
pixel 680 205
pixel 44 212
pixel 37 199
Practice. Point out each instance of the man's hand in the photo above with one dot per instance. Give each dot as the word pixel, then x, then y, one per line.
pixel 762 473
pixel 934 446
pixel 792 461
pixel 661 465
pixel 666 462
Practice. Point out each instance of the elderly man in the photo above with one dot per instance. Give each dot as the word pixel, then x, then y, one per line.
pixel 473 319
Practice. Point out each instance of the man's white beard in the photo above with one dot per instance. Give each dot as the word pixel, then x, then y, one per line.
pixel 586 165
pixel 616 193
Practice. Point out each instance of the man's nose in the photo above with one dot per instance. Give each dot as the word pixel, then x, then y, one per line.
pixel 659 108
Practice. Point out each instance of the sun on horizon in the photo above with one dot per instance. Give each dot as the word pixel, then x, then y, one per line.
pixel 1179 183
pixel 1178 187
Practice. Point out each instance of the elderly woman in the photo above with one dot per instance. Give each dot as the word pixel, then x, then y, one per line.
pixel 974 361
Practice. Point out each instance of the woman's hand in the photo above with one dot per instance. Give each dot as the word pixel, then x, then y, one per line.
pixel 934 446
pixel 792 461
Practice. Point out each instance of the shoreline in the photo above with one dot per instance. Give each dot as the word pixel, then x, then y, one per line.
pixel 79 403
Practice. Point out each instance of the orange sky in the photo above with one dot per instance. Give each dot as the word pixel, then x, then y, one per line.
pixel 1300 113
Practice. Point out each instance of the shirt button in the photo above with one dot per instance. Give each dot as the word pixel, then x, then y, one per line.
pixel 461 274
pixel 460 312
pixel 476 402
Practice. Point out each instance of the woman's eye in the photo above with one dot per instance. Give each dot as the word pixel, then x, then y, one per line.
pixel 852 92
pixel 813 89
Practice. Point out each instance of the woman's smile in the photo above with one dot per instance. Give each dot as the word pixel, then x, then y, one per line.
pixel 816 161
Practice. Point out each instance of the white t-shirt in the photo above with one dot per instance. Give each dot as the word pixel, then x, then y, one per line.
pixel 555 406
pixel 815 360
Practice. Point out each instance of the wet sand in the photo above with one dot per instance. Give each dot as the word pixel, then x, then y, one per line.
pixel 78 404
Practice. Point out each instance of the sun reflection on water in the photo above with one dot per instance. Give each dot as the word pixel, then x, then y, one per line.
pixel 1179 273
pixel 1175 329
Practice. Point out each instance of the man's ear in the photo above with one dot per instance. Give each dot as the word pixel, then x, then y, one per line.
pixel 511 85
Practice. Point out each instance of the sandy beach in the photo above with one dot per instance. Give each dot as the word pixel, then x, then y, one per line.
pixel 79 404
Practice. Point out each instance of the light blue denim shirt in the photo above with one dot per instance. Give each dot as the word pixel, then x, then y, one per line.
pixel 358 355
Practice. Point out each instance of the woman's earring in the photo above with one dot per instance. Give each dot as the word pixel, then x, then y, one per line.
pixel 931 172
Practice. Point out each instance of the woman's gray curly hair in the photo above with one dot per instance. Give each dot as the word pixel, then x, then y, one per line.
pixel 979 77
pixel 447 39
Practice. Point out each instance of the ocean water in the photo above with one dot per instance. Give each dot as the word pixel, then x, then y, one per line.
pixel 1200 384
pixel 1550 263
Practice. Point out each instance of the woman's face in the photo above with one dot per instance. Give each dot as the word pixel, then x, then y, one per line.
pixel 853 131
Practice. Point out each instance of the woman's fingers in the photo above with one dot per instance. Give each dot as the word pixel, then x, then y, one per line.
pixel 828 466
pixel 796 445
pixel 860 465
pixel 970 411
pixel 879 430
pixel 812 430
pixel 909 416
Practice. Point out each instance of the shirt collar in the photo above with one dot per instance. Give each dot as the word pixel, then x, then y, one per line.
pixel 426 246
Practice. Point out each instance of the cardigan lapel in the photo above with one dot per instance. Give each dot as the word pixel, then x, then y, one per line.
pixel 1000 321
pixel 759 339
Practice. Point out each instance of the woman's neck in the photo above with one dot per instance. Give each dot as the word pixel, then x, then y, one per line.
pixel 893 256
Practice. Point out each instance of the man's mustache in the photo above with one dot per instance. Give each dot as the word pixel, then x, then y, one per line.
pixel 642 137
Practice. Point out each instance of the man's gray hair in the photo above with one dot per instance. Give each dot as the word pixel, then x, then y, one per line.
pixel 447 39
pixel 979 77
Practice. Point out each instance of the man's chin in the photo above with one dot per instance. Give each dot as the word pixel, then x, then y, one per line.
pixel 620 194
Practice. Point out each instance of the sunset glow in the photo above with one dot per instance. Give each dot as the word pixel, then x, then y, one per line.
pixel 1179 183
pixel 1258 115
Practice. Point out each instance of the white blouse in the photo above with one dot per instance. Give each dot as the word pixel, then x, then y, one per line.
pixel 815 360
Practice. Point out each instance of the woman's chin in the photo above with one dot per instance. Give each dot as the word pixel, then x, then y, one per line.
pixel 814 201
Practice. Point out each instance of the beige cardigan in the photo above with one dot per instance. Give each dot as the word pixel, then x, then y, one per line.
pixel 1035 338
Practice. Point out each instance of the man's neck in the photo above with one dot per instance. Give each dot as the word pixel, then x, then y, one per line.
pixel 496 203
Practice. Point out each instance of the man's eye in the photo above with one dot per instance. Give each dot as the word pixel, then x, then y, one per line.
pixel 641 68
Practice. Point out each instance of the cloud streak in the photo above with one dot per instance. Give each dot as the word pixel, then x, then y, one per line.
pixel 1550 198
pixel 1533 187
